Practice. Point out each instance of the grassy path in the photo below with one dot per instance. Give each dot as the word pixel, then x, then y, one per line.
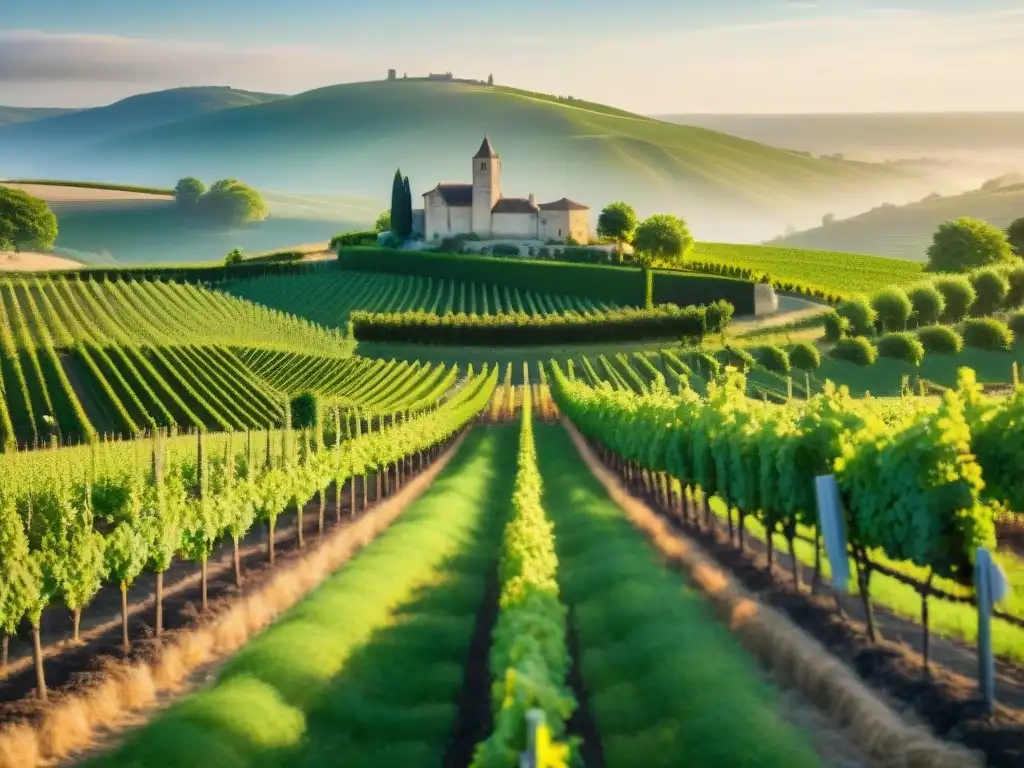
pixel 369 669
pixel 667 684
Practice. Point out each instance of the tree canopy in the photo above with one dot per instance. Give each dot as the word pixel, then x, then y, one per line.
pixel 617 221
pixel 187 193
pixel 964 244
pixel 1015 236
pixel 383 223
pixel 227 203
pixel 26 222
pixel 663 237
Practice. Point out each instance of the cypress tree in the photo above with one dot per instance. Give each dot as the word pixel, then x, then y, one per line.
pixel 397 202
pixel 407 212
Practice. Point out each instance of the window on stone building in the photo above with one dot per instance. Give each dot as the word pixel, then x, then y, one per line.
pixel 483 166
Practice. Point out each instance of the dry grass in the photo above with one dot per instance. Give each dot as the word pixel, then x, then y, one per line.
pixel 71 723
pixel 28 261
pixel 58 194
pixel 794 658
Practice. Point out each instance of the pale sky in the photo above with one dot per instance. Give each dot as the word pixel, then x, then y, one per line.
pixel 650 56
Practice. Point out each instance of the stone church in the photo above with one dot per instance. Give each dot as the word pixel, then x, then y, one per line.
pixel 480 208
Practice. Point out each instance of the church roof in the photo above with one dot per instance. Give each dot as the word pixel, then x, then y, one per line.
pixel 565 204
pixel 486 150
pixel 514 205
pixel 455 194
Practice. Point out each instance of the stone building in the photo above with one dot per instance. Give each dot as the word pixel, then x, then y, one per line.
pixel 479 208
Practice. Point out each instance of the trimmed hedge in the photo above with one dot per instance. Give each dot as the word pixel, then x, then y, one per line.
pixel 513 329
pixel 773 359
pixel 805 356
pixel 988 333
pixel 901 345
pixel 856 349
pixel 621 285
pixel 836 326
pixel 363 237
pixel 1016 323
pixel 940 339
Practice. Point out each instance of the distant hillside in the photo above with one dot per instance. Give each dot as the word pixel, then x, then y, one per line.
pixel 348 139
pixel 905 231
pixel 83 127
pixel 16 115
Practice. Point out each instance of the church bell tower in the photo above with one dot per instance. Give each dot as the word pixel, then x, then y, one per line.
pixel 486 187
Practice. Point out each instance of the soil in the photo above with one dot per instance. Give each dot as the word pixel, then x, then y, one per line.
pixel 947 700
pixel 69 666
pixel 474 720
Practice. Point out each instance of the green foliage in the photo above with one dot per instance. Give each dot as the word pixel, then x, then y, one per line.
pixel 901 345
pixel 230 203
pixel 382 224
pixel 928 303
pixel 664 237
pixel 1015 236
pixel 893 308
pixel 773 358
pixel 619 285
pixel 997 440
pixel 860 314
pixel 188 192
pixel 856 349
pixel 964 244
pixel 940 339
pixel 836 326
pixel 1015 277
pixel 959 296
pixel 805 356
pixel 739 358
pixel 991 289
pixel 305 409
pixel 617 221
pixel 26 222
pixel 506 250
pixel 348 239
pixel 234 257
pixel 987 333
pixel 1015 322
pixel 529 658
pixel 661 321
pixel 401 206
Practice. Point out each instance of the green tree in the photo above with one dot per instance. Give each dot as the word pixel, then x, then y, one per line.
pixel 397 202
pixel 78 548
pixel 662 237
pixel 617 222
pixel 965 243
pixel 1015 236
pixel 126 554
pixel 187 193
pixel 235 257
pixel 20 577
pixel 230 203
pixel 383 223
pixel 406 208
pixel 305 410
pixel 26 222
pixel 490 79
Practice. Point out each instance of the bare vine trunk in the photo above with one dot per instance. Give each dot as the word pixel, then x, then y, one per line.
pixel 237 556
pixel 203 576
pixel 271 530
pixel 76 621
pixel 159 604
pixel 37 656
pixel 125 643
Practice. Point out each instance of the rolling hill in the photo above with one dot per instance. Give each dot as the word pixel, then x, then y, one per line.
pixel 905 231
pixel 348 139
pixel 72 129
pixel 17 115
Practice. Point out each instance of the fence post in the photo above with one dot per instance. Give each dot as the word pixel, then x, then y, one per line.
pixel 991 586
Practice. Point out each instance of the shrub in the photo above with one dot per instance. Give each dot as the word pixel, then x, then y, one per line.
pixel 719 314
pixel 353 238
pixel 1015 236
pixel 773 359
pixel 805 356
pixel 959 296
pixel 893 308
pixel 738 358
pixel 1016 323
pixel 965 244
pixel 305 410
pixel 991 289
pixel 861 315
pixel 901 345
pixel 504 249
pixel 940 339
pixel 234 257
pixel 836 326
pixel 928 303
pixel 987 333
pixel 855 350
pixel 1015 278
